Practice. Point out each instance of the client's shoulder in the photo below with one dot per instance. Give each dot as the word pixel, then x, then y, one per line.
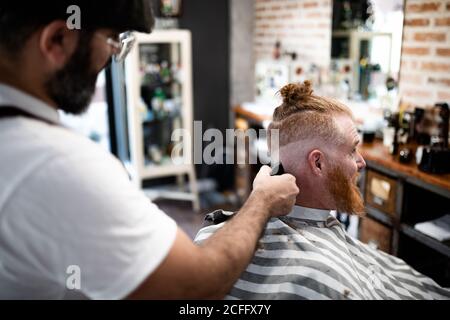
pixel 212 222
pixel 215 220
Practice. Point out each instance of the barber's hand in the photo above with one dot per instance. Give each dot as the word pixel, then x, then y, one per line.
pixel 277 192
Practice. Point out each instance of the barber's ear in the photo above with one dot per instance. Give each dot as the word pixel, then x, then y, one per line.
pixel 57 44
pixel 316 162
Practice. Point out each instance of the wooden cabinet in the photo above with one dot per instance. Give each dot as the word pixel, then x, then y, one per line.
pixel 397 197
pixel 375 234
pixel 381 192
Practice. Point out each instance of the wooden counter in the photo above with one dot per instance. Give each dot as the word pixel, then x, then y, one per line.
pixel 250 115
pixel 377 155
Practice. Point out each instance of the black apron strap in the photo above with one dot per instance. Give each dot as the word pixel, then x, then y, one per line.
pixel 10 111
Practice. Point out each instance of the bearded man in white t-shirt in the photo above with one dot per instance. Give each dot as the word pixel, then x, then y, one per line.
pixel 66 206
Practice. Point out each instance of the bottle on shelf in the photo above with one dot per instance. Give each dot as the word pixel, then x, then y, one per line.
pixel 158 100
pixel 165 72
pixel 394 122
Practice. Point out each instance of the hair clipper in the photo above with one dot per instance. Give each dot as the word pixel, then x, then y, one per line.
pixel 277 169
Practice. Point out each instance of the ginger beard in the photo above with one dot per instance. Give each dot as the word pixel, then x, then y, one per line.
pixel 345 192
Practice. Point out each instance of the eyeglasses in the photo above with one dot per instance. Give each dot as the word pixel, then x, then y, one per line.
pixel 123 46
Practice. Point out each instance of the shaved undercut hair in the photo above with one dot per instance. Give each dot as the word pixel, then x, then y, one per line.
pixel 305 116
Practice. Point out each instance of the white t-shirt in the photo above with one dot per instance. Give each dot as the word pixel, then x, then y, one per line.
pixel 69 216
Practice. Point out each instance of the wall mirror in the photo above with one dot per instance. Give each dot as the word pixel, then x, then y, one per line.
pixel 366 42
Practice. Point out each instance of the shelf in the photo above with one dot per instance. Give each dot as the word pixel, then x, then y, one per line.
pixel 164 170
pixel 365 34
pixel 380 216
pixel 155 194
pixel 155 85
pixel 441 247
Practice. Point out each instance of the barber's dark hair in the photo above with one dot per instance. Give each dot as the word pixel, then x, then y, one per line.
pixel 19 19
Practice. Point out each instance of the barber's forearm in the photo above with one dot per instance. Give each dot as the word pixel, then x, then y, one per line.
pixel 210 270
pixel 230 250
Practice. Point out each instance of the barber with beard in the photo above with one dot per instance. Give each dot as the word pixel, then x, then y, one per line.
pixel 68 208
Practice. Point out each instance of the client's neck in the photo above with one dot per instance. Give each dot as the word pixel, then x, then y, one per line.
pixel 316 199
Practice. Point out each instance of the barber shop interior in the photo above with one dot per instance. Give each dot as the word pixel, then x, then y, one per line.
pixel 351 97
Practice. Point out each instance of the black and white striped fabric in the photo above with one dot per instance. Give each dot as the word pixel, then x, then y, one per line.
pixel 308 255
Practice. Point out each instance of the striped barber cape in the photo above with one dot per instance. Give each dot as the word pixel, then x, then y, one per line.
pixel 308 255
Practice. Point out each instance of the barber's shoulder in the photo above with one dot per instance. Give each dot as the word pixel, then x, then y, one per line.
pixel 42 137
pixel 73 152
pixel 69 143
pixel 42 145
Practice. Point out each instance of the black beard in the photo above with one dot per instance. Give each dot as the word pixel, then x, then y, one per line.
pixel 72 87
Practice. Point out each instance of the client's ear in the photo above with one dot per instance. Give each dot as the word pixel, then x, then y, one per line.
pixel 316 162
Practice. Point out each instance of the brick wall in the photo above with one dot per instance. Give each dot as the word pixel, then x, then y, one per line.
pixel 242 76
pixel 302 26
pixel 425 63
